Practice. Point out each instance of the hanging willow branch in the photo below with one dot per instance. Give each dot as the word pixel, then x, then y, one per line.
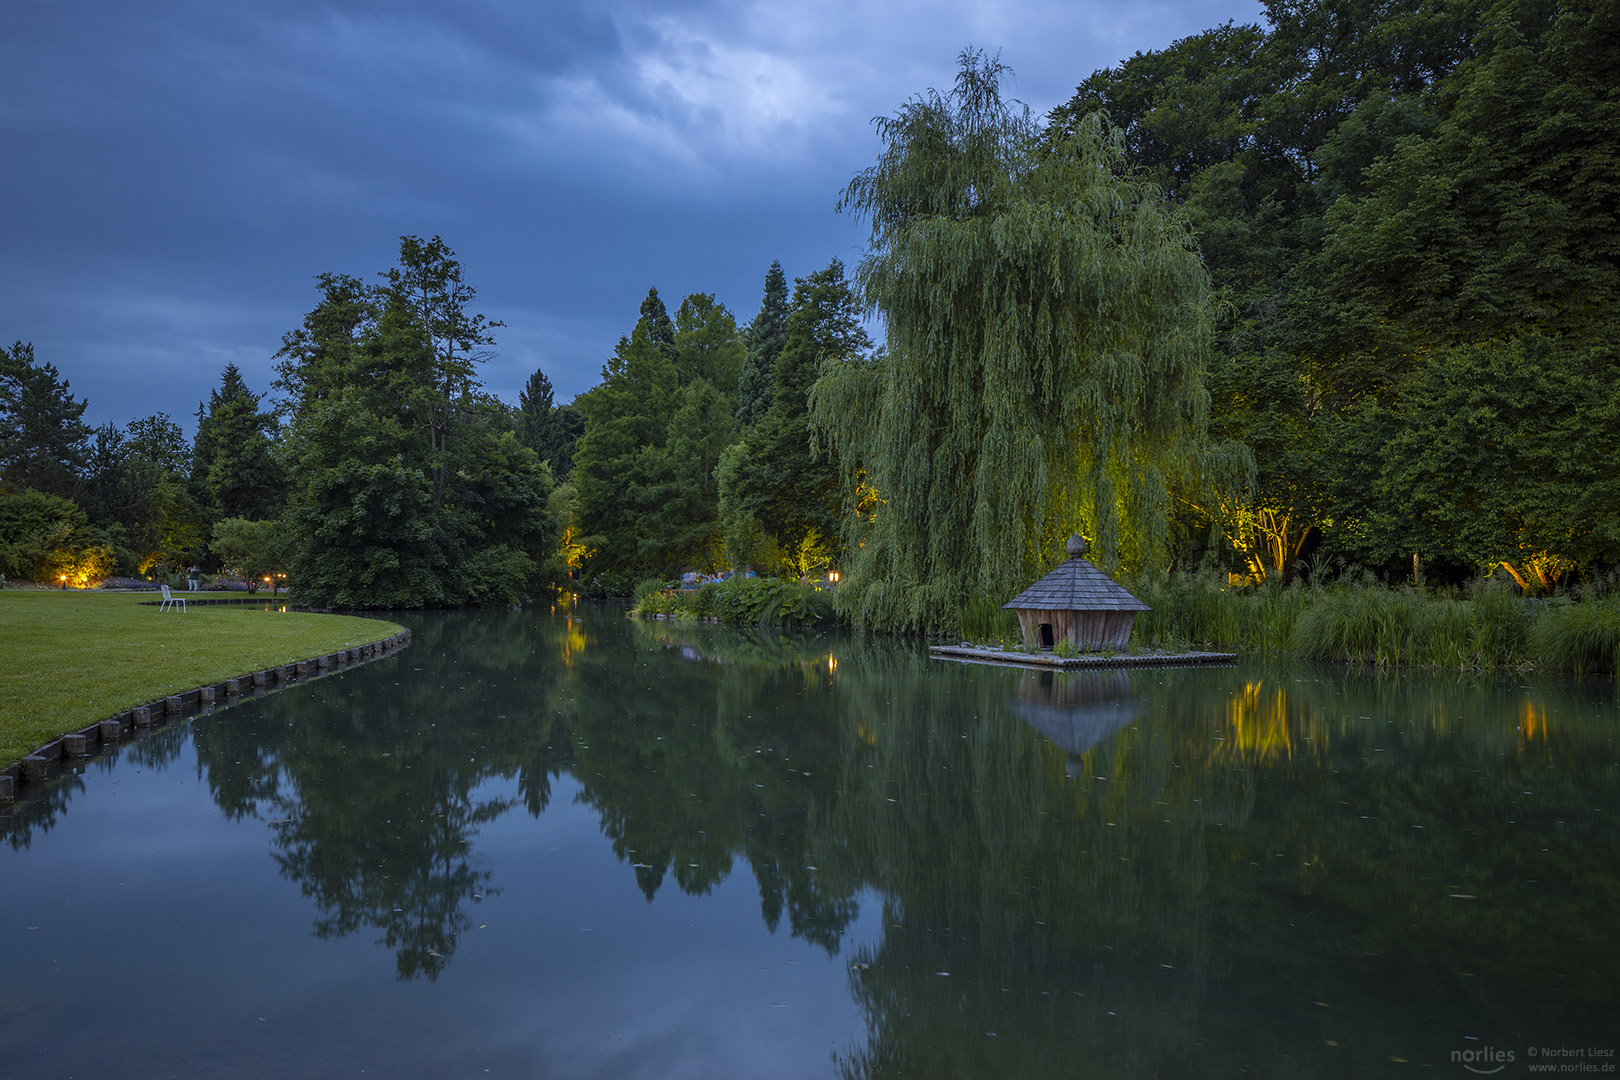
pixel 1047 321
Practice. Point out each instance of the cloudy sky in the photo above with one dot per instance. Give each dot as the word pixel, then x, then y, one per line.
pixel 173 174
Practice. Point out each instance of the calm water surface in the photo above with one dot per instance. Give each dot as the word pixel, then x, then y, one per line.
pixel 567 844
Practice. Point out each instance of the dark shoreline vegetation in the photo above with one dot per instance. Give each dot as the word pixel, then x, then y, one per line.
pixel 1487 628
pixel 1278 317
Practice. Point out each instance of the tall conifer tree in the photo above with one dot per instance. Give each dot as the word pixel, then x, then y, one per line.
pixel 42 431
pixel 764 338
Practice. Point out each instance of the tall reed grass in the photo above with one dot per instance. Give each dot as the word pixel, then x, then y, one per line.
pixel 1488 628
pixel 1582 638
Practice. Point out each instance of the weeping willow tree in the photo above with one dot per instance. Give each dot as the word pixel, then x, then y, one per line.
pixel 1047 318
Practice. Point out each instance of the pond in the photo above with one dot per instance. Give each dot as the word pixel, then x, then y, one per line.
pixel 564 843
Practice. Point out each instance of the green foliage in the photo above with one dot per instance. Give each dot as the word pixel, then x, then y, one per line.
pixel 1401 628
pixel 708 347
pixel 739 601
pixel 427 283
pixel 764 340
pixel 409 487
pixel 252 550
pixel 1583 638
pixel 497 574
pixel 549 429
pixel 1498 220
pixel 1496 454
pixel 656 426
pixel 1490 628
pixel 1375 188
pixel 1047 322
pixel 45 538
pixel 42 435
pixel 779 497
pixel 232 468
pixel 983 620
pixel 610 583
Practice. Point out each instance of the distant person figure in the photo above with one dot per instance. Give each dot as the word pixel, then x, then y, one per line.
pixel 191 579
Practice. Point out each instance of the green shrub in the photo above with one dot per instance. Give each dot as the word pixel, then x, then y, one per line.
pixel 762 602
pixel 610 583
pixel 497 575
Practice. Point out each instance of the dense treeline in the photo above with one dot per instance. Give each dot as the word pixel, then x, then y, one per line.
pixel 382 476
pixel 1336 291
pixel 1408 212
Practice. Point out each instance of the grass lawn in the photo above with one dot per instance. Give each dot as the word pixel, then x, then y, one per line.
pixel 70 658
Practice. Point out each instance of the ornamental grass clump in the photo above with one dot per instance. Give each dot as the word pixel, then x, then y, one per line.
pixel 1583 638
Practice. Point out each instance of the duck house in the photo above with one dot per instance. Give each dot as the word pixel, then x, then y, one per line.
pixel 1078 603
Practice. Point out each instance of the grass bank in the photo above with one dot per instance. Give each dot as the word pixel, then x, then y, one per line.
pixel 1486 629
pixel 68 659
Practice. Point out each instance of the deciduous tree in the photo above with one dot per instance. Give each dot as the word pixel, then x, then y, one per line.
pixel 1047 320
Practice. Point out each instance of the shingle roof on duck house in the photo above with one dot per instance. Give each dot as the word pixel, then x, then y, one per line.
pixel 1078 602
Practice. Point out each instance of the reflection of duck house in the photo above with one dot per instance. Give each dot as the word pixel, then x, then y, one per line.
pixel 1079 603
pixel 1076 710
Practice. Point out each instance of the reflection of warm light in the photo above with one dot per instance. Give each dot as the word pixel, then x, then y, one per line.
pixel 832 662
pixel 573 641
pixel 1259 728
pixel 1532 721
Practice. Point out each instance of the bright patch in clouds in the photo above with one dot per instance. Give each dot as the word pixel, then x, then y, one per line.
pixel 211 159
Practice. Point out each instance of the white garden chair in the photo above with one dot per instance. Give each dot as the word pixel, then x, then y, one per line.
pixel 169 601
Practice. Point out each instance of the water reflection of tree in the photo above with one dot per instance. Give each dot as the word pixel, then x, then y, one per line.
pixel 1242 846
pixel 23 822
pixel 688 769
pixel 43 806
pixel 370 783
pixel 1185 898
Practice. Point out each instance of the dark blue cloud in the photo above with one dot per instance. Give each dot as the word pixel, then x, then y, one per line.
pixel 177 173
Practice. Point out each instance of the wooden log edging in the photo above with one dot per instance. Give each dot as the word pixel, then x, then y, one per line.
pixel 47 760
pixel 973 654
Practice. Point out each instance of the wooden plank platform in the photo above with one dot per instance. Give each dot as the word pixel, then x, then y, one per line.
pixel 974 655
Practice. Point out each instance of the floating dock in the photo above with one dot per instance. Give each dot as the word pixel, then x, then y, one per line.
pixel 974 655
